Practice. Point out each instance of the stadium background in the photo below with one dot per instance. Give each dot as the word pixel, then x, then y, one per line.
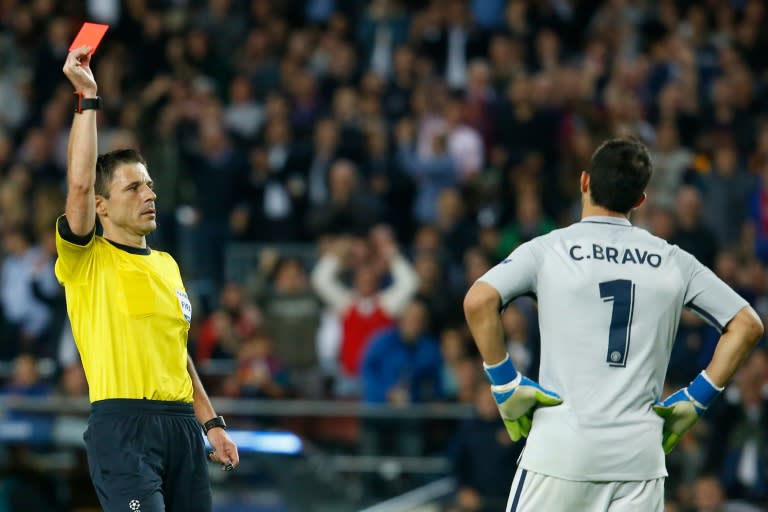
pixel 283 134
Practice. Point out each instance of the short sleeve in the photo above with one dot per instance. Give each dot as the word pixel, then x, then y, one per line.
pixel 516 275
pixel 74 252
pixel 708 296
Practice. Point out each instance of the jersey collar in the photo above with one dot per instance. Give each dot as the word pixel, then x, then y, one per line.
pixel 142 251
pixel 601 219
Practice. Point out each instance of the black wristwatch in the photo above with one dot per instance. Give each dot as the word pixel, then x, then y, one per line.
pixel 87 103
pixel 217 422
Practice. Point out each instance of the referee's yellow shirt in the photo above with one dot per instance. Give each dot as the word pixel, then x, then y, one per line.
pixel 130 317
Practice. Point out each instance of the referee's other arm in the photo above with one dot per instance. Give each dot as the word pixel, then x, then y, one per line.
pixel 224 449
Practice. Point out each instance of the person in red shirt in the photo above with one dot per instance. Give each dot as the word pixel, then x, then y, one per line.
pixel 365 308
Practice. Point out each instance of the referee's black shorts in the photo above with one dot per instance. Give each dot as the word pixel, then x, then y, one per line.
pixel 147 456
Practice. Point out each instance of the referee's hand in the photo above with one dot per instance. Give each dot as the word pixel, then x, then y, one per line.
pixel 224 449
pixel 77 68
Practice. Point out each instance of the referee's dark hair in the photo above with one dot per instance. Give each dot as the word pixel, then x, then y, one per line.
pixel 618 174
pixel 108 162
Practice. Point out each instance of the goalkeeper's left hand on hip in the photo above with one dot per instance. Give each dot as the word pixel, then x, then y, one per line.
pixel 517 397
pixel 683 408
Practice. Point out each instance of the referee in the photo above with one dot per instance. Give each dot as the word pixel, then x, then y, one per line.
pixel 130 316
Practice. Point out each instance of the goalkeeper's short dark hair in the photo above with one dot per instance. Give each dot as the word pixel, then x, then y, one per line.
pixel 618 174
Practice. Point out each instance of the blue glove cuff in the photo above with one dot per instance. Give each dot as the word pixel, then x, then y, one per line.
pixel 703 390
pixel 501 373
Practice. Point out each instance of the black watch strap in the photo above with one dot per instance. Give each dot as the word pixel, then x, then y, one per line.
pixel 87 103
pixel 217 422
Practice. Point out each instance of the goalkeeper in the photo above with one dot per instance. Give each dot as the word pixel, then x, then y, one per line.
pixel 609 302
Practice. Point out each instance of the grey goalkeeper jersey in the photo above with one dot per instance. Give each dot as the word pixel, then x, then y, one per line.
pixel 609 302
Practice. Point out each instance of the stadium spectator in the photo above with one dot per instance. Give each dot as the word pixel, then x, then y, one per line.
pixel 266 209
pixel 392 186
pixel 758 219
pixel 292 314
pixel 383 27
pixel 25 268
pixel 517 338
pixel 431 174
pixel 26 379
pixel 402 365
pixel 367 307
pixel 484 459
pixel 235 320
pixel 435 292
pixel 692 233
pixel 742 423
pixel 671 160
pixel 457 232
pixel 73 383
pixel 349 209
pixel 259 372
pixel 709 496
pixel 726 189
pixel 453 350
pixel 530 222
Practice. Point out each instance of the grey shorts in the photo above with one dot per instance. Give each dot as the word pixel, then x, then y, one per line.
pixel 534 492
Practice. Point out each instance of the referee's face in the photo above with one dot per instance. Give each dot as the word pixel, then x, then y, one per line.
pixel 131 203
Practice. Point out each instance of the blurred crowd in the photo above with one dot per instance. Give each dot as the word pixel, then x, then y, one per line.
pixel 404 148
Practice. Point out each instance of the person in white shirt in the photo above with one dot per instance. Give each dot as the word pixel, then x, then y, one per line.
pixel 609 301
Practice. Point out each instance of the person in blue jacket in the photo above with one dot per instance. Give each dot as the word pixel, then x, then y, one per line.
pixel 402 364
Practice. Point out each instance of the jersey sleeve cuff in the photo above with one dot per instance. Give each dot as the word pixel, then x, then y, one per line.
pixel 66 233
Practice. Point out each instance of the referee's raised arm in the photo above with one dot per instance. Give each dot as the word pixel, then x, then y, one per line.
pixel 82 147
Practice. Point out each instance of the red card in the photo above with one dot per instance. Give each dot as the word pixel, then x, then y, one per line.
pixel 90 35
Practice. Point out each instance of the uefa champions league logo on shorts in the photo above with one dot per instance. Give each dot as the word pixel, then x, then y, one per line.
pixel 134 505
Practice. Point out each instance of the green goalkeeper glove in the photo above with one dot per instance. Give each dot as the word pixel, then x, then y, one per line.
pixel 517 397
pixel 683 408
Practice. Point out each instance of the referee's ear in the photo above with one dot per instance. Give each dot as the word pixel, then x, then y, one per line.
pixel 101 207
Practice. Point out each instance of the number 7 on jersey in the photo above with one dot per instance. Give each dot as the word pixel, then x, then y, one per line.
pixel 621 292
